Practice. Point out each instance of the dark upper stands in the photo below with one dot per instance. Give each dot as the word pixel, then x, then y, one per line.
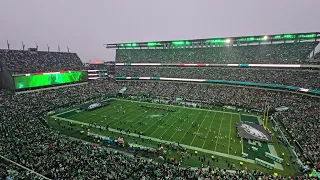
pixel 288 53
pixel 300 78
pixel 20 61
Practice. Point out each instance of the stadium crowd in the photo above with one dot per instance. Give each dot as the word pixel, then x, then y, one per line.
pixel 25 139
pixel 300 78
pixel 20 61
pixel 285 53
pixel 317 56
pixel 301 118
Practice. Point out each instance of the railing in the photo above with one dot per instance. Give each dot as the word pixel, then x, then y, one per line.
pixel 22 168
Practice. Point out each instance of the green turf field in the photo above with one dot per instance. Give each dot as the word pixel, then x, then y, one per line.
pixel 207 131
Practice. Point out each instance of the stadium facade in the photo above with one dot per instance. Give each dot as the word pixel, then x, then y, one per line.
pixel 196 92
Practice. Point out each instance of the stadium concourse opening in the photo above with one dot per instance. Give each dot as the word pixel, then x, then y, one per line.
pixel 163 110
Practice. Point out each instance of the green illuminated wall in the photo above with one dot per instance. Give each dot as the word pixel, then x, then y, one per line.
pixel 221 41
pixel 39 80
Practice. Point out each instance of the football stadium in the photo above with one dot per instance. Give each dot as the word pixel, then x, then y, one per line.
pixel 219 108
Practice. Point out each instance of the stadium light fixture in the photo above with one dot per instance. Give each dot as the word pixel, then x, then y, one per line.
pixel 265 37
pixel 228 40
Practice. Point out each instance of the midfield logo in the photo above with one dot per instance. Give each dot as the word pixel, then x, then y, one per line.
pixel 254 132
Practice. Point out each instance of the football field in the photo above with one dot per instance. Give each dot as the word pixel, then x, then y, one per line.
pixel 202 128
pixel 211 132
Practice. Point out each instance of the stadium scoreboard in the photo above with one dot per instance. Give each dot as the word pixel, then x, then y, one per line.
pixel 46 79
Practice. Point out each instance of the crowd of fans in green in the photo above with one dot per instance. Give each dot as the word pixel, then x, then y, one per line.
pixel 19 61
pixel 308 79
pixel 285 53
pixel 25 140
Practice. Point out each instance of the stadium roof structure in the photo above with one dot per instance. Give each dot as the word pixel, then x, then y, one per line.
pixel 223 41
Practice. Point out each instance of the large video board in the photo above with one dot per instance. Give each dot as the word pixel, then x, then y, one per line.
pixel 29 81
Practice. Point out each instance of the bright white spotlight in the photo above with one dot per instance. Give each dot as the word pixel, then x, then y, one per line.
pixel 265 37
pixel 228 40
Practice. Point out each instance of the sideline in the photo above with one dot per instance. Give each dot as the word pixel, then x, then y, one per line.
pixel 182 107
pixel 129 154
pixel 164 141
pixel 119 99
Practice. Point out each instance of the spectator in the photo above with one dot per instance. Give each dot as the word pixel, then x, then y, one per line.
pixel 19 61
pixel 285 53
pixel 308 79
pixel 25 140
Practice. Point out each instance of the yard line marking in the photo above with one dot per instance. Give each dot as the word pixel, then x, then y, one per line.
pixel 97 117
pixel 242 145
pixel 87 111
pixel 173 123
pixel 126 118
pixel 93 117
pixel 103 112
pixel 74 109
pixel 241 138
pixel 172 115
pixel 122 116
pixel 238 158
pixel 189 127
pixel 148 119
pixel 155 123
pixel 199 128
pixel 142 114
pixel 229 135
pixel 184 107
pixel 215 148
pixel 64 112
pixel 209 129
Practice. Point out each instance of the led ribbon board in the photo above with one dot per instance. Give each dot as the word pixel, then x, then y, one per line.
pixel 49 79
pixel 217 41
pixel 98 74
